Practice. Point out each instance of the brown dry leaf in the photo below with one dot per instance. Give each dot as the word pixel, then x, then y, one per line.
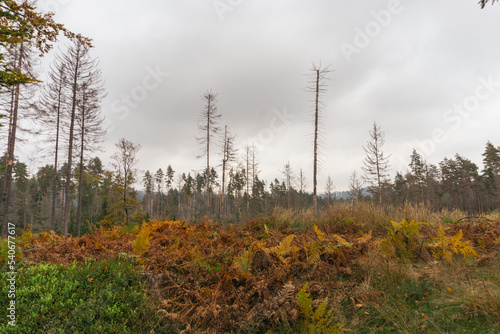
pixel 185 331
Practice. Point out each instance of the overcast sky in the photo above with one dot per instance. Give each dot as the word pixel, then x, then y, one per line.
pixel 428 72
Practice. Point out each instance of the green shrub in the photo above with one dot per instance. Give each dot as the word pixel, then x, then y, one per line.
pixel 95 297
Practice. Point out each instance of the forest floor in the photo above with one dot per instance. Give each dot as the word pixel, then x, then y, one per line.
pixel 349 270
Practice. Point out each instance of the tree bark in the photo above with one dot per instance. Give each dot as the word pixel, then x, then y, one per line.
pixel 315 167
pixel 10 150
pixel 67 187
pixel 54 179
pixel 80 173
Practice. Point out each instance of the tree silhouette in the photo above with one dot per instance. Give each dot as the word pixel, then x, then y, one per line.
pixel 208 126
pixel 318 87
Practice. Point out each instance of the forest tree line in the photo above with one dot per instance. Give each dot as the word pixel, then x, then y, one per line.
pixel 455 183
pixel 76 192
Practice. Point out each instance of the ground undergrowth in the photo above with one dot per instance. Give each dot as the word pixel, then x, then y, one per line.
pixel 346 271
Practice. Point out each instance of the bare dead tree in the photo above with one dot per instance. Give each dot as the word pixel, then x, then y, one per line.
pixel 302 186
pixel 208 126
pixel 89 125
pixel 21 58
pixel 483 3
pixel 376 164
pixel 50 111
pixel 124 161
pixel 180 185
pixel 302 182
pixel 228 155
pixel 79 67
pixel 255 166
pixel 329 190
pixel 247 156
pixel 317 86
pixel 289 179
pixel 355 187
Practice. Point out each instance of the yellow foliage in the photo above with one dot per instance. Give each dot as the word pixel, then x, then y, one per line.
pixel 401 239
pixel 25 238
pixel 99 246
pixel 141 242
pixel 445 246
pixel 112 234
pixel 324 245
pixel 315 321
pixel 243 263
pixel 365 238
pixel 259 245
pixel 313 252
pixel 285 247
pixel 321 235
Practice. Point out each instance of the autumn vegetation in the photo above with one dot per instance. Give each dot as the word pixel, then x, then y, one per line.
pixel 350 269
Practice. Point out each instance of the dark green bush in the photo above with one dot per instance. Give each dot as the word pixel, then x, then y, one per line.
pixel 94 297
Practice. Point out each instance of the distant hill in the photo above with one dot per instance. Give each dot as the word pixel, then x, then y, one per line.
pixel 345 194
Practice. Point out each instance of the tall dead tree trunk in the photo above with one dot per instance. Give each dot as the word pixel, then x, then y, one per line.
pixel 80 168
pixel 11 142
pixel 247 177
pixel 228 155
pixel 315 164
pixel 317 86
pixel 208 126
pixel 74 91
pixel 84 75
pixel 54 177
pixel 49 111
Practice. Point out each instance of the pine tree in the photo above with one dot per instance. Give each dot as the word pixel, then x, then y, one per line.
pixel 491 173
pixel 147 180
pixel 159 179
